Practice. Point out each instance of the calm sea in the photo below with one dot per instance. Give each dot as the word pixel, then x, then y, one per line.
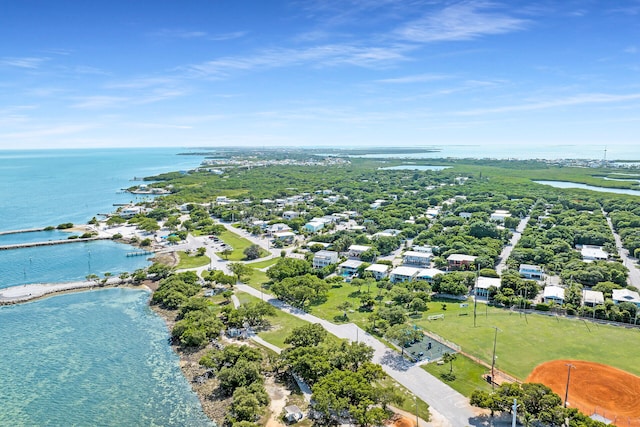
pixel 96 358
pixel 90 358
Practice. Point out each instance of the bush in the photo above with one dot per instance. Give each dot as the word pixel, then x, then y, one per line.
pixel 49 228
pixel 543 307
pixel 65 225
pixel 117 236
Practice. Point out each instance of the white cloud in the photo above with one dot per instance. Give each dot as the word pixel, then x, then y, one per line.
pixel 100 101
pixel 24 62
pixel 416 78
pixel 462 21
pixel 582 99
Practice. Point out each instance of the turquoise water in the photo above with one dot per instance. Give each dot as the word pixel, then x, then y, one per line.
pixel 66 263
pixel 562 184
pixel 95 358
pixel 35 236
pixel 49 187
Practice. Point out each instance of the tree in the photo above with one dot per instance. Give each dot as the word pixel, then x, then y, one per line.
pixel 288 267
pixel 346 305
pixel 226 252
pixel 252 252
pixel 308 335
pixel 240 270
pixel 403 335
pixel 449 358
pixel 201 251
pixel 242 374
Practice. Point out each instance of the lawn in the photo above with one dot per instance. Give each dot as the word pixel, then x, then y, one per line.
pixel 239 244
pixel 467 372
pixel 263 264
pixel 523 342
pixel 339 293
pixel 189 261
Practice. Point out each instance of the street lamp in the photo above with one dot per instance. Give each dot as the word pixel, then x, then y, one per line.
pixel 566 394
pixel 415 400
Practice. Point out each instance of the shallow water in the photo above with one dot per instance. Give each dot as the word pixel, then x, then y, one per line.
pixel 91 358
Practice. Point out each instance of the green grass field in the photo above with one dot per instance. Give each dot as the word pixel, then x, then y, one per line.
pixel 525 342
pixel 468 375
pixel 188 261
pixel 263 264
pixel 239 244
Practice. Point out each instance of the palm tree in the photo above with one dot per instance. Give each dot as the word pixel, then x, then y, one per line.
pixel 449 358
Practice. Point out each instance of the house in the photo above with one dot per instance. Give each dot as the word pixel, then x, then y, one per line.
pixel 350 267
pixel 379 271
pixel 592 298
pixel 292 414
pixel 460 261
pixel 499 215
pixel 323 258
pixel 355 251
pixel 433 212
pixel 323 244
pixel 593 253
pixel 278 228
pixel 131 211
pixel 284 236
pixel 428 274
pixel 423 249
pixel 481 289
pixel 465 215
pixel 553 294
pixel 403 274
pixel 625 295
pixel 313 226
pixel 529 271
pixel 416 258
pixel 290 215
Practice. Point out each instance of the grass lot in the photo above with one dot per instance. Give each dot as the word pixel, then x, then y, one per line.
pixel 263 264
pixel 239 244
pixel 188 261
pixel 523 344
pixel 468 375
pixel 339 293
pixel 409 404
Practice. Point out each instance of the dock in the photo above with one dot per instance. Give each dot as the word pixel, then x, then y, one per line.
pixel 27 230
pixel 140 253
pixel 48 243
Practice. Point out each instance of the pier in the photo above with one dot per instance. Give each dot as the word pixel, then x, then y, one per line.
pixel 48 243
pixel 140 253
pixel 27 230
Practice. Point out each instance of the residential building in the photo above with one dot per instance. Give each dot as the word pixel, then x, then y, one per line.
pixel 130 211
pixel 356 250
pixel 460 261
pixel 625 295
pixel 403 274
pixel 290 215
pixel 593 253
pixel 428 274
pixel 465 215
pixel 350 267
pixel 285 236
pixel 278 228
pixel 322 259
pixel 529 271
pixel 484 283
pixel 423 249
pixel 379 271
pixel 422 259
pixel 554 294
pixel 592 298
pixel 313 226
pixel 499 215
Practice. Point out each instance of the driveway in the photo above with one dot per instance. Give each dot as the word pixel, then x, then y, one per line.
pixel 449 407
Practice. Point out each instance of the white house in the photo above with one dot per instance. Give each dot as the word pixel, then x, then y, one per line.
pixel 553 294
pixel 529 271
pixel 290 214
pixel 428 274
pixel 403 274
pixel 293 414
pixel 625 295
pixel 379 271
pixel 131 211
pixel 285 236
pixel 593 253
pixel 483 285
pixel 592 298
pixel 465 215
pixel 278 228
pixel 499 215
pixel 416 258
pixel 355 251
pixel 324 258
pixel 350 267
pixel 423 249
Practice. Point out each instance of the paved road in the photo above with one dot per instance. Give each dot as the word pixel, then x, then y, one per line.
pixel 449 407
pixel 506 251
pixel 627 261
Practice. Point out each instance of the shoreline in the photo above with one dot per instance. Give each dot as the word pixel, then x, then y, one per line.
pixel 21 294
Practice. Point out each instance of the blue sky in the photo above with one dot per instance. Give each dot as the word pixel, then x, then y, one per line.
pixel 319 73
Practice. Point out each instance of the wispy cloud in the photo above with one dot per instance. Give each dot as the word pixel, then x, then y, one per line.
pixel 582 99
pixel 49 131
pixel 185 34
pixel 100 101
pixel 416 78
pixel 24 62
pixel 324 55
pixel 462 21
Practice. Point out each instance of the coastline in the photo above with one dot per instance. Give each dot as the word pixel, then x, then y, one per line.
pixel 31 292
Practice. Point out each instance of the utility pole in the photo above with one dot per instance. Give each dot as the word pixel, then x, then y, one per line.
pixel 415 400
pixel 514 409
pixel 493 359
pixel 566 394
pixel 475 298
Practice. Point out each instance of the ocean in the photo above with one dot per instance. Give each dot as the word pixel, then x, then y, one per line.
pixel 88 358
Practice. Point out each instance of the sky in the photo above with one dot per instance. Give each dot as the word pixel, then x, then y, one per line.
pixel 344 73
